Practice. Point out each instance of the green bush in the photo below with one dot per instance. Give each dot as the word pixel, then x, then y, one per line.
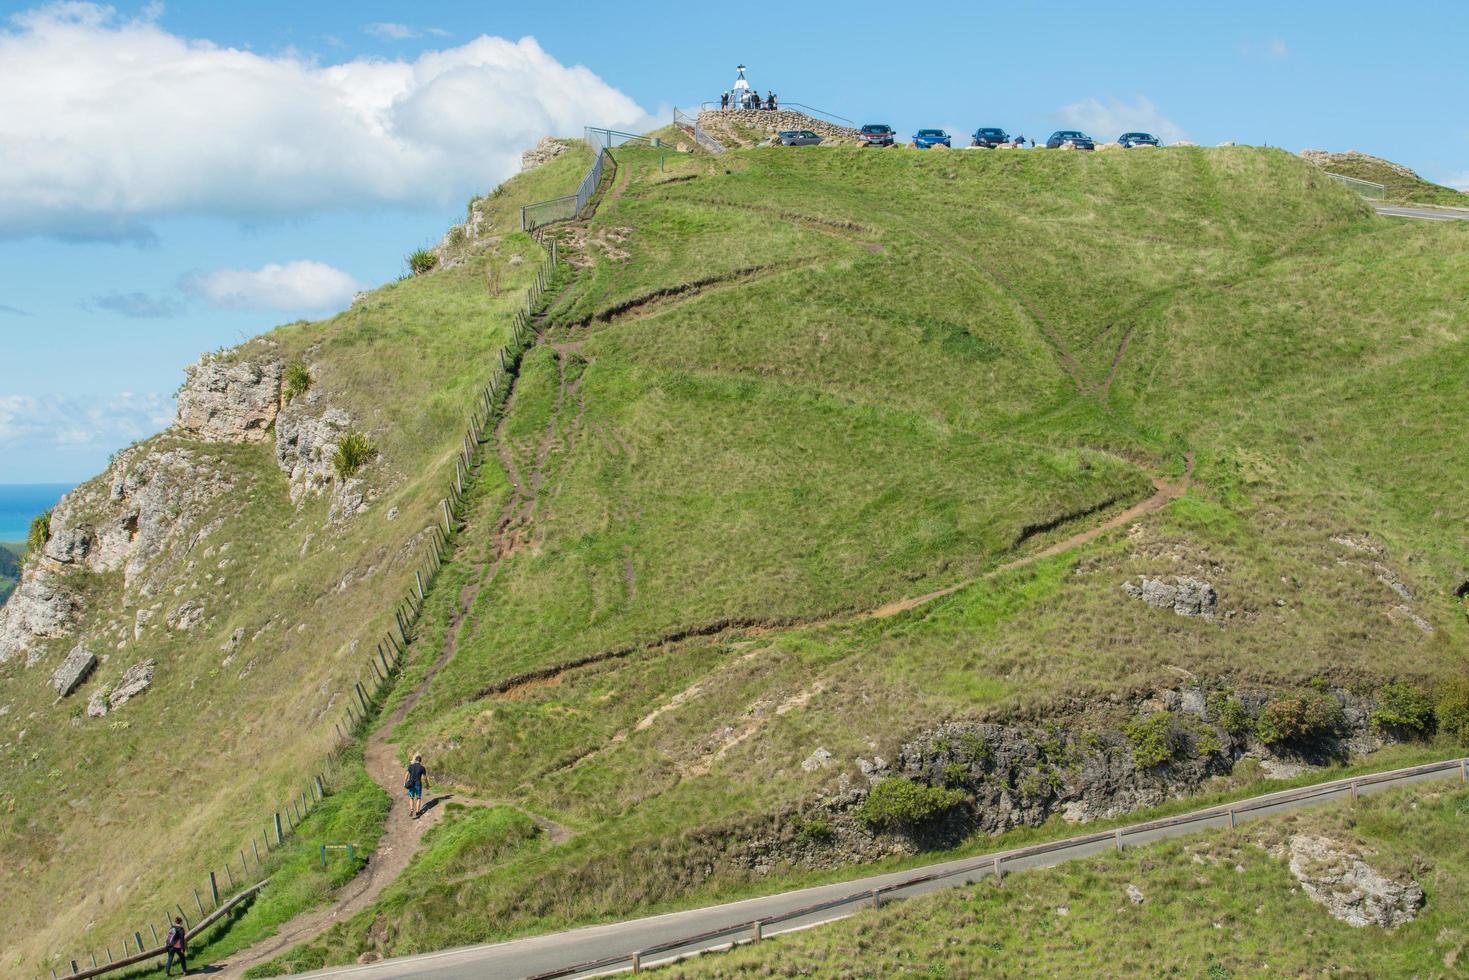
pixel 1403 708
pixel 297 381
pixel 422 261
pixel 899 803
pixel 1452 710
pixel 976 748
pixel 1155 740
pixel 1298 718
pixel 813 830
pixel 1230 714
pixel 353 453
pixel 456 236
pixel 955 773
pixel 40 533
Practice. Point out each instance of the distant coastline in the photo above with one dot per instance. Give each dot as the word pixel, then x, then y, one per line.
pixel 20 503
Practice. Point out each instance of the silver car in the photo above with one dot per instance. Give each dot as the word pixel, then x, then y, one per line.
pixel 799 137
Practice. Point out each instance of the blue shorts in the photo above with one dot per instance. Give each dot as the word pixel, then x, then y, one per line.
pixel 415 792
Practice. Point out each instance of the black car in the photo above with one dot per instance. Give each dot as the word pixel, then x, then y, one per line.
pixel 878 134
pixel 1138 139
pixel 990 137
pixel 1075 137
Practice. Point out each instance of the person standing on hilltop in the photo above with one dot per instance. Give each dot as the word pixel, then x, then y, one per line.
pixel 414 785
pixel 176 943
pixel 723 101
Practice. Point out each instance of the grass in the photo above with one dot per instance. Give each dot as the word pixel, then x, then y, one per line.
pixel 780 390
pixel 1407 188
pixel 1218 904
pixel 791 400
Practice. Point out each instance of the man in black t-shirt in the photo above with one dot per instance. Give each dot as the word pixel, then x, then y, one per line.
pixel 414 785
pixel 176 943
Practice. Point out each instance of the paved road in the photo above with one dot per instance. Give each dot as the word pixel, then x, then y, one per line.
pixel 1428 214
pixel 559 951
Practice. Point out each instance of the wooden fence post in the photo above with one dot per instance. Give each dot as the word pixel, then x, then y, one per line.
pixel 1352 787
pixel 1117 839
pixel 256 848
pixel 448 521
pixel 229 875
pixel 153 929
pixel 199 902
pixel 138 938
pixel 757 931
pixel 417 577
pixel 999 875
pixel 277 827
pixel 1231 818
pixel 214 889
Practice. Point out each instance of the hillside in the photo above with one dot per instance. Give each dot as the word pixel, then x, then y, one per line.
pixel 1008 478
pixel 1402 183
pixel 1220 905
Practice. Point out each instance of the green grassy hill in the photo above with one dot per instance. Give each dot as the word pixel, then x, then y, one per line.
pixel 1217 905
pixel 1402 183
pixel 779 397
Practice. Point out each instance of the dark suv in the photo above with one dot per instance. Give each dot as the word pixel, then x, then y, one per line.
pixel 1075 137
pixel 878 134
pixel 1138 139
pixel 990 137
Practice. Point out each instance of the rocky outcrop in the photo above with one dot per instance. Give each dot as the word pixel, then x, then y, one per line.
pixel 73 670
pixel 229 401
pixel 307 433
pixel 747 127
pixel 137 679
pixel 1326 160
pixel 41 608
pixel 548 149
pixel 1185 596
pixel 1335 876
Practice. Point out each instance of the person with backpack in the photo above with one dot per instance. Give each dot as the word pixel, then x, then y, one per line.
pixel 414 785
pixel 176 943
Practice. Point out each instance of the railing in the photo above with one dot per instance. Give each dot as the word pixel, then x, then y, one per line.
pixel 606 139
pixel 533 216
pixel 684 120
pixel 993 865
pixel 1368 189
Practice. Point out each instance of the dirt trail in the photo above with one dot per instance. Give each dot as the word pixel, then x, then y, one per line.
pixel 401 833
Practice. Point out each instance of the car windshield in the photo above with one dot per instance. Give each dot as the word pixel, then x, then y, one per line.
pixel 808 134
pixel 1071 134
pixel 1138 136
pixel 992 132
pixel 875 129
pixel 930 132
pixel 788 132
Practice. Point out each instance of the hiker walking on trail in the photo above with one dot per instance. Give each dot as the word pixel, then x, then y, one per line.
pixel 175 943
pixel 414 785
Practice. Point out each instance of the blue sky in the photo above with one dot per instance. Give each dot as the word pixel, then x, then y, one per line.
pixel 278 156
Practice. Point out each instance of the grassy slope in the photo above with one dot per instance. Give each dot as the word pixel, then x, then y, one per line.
pixel 908 362
pixel 1216 905
pixel 102 820
pixel 1400 187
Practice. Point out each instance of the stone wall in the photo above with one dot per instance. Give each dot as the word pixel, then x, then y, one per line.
pixel 734 128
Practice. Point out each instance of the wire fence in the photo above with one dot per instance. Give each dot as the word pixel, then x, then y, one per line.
pixel 1368 189
pixel 606 139
pixel 542 213
pixel 994 866
pixel 222 892
pixel 685 121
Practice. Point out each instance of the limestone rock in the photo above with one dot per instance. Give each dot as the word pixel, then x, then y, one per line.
pixel 306 440
pixel 1335 876
pixel 137 679
pixel 1135 895
pixel 97 703
pixel 186 616
pixel 73 670
pixel 816 760
pixel 1185 596
pixel 40 608
pixel 229 402
pixel 548 149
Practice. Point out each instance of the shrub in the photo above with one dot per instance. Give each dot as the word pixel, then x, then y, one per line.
pixel 422 261
pixel 813 830
pixel 901 803
pixel 456 235
pixel 1452 710
pixel 40 533
pixel 1298 718
pixel 1154 739
pixel 955 773
pixel 976 748
pixel 1403 708
pixel 353 453
pixel 297 381
pixel 1233 716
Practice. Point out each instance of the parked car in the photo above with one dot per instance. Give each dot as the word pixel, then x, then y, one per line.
pixel 878 134
pixel 925 138
pixel 799 137
pixel 990 137
pixel 1138 139
pixel 1075 137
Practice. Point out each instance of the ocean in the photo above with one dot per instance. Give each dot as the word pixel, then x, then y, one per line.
pixel 20 502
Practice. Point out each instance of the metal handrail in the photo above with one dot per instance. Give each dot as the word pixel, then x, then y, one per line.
pixel 608 138
pixel 994 863
pixel 685 121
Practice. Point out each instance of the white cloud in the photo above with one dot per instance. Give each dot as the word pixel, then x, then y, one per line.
pixel 1108 120
pixel 1276 49
pixel 30 422
pixel 107 123
pixel 300 285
